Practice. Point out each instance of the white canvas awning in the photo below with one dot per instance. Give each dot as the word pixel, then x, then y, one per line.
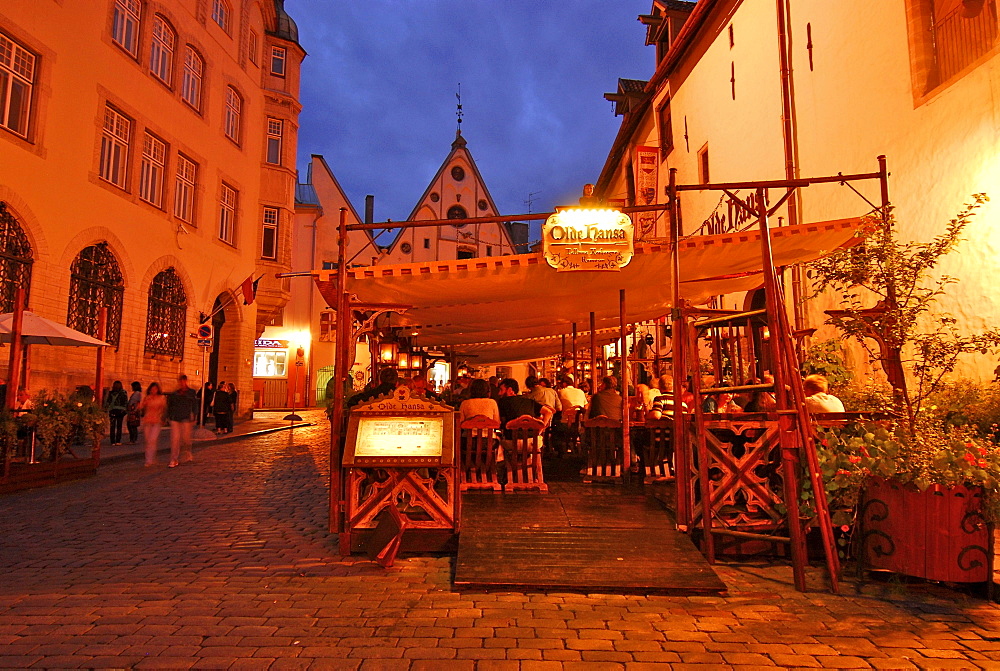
pixel 513 308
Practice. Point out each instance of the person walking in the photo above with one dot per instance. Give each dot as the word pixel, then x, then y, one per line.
pixel 182 408
pixel 132 413
pixel 152 408
pixel 221 407
pixel 117 406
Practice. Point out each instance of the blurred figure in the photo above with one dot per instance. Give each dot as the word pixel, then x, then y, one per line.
pixel 132 413
pixel 152 410
pixel 182 408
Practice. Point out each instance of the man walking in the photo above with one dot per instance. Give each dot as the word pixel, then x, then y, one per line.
pixel 182 408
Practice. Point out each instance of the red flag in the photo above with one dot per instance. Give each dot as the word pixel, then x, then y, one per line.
pixel 249 288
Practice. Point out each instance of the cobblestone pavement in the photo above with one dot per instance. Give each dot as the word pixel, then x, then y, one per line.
pixel 226 563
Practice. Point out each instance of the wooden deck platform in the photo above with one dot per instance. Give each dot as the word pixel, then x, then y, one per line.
pixel 579 538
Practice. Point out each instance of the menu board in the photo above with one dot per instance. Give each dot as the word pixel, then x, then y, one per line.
pixel 403 440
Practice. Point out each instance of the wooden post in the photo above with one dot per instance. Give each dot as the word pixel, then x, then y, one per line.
pixel 593 352
pixel 16 345
pixel 790 462
pixel 102 334
pixel 337 419
pixel 576 377
pixel 626 444
pixel 682 449
pixel 883 179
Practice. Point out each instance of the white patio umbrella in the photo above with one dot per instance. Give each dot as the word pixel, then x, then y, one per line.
pixel 37 330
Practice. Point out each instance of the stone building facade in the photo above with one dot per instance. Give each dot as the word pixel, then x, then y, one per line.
pixel 148 152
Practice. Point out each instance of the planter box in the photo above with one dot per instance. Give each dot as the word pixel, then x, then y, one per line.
pixel 936 534
pixel 30 476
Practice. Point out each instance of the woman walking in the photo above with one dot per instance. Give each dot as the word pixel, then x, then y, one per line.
pixel 132 418
pixel 117 406
pixel 152 408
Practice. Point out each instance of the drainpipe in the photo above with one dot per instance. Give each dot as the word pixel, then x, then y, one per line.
pixel 791 148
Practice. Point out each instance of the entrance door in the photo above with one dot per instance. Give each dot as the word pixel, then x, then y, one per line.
pixel 218 322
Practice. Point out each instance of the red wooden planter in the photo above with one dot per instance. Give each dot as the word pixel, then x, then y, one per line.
pixel 936 534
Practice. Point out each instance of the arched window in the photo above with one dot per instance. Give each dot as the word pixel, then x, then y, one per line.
pixel 194 71
pixel 161 51
pixel 15 259
pixel 95 281
pixel 167 314
pixel 221 13
pixel 234 106
pixel 125 25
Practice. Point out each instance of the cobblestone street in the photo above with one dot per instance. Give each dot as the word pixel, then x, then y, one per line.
pixel 226 563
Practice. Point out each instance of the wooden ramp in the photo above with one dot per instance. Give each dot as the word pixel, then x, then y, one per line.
pixel 580 538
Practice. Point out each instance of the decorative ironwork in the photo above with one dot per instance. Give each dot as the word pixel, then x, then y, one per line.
pixel 96 282
pixel 15 259
pixel 167 315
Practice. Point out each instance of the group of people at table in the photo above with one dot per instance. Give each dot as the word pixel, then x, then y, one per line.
pixel 502 400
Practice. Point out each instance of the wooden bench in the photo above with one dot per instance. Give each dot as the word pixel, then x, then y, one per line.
pixel 477 453
pixel 602 443
pixel 523 454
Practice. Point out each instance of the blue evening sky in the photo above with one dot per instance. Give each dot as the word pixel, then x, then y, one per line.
pixel 379 83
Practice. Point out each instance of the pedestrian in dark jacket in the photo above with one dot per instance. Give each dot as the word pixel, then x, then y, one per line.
pixel 117 406
pixel 222 408
pixel 132 418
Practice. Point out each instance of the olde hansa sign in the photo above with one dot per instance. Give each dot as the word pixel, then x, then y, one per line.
pixel 587 239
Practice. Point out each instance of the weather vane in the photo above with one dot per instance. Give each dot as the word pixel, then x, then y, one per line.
pixel 458 111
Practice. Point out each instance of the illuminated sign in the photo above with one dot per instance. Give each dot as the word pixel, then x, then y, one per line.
pixel 266 343
pixel 587 239
pixel 399 438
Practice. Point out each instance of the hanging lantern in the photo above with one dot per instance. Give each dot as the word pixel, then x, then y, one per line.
pixel 387 351
pixel 417 360
pixel 403 360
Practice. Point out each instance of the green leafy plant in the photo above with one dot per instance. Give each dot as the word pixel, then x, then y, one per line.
pixel 827 358
pixel 915 343
pixel 57 420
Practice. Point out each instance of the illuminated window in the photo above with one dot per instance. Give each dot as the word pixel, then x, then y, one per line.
pixel 270 363
pixel 233 106
pixel 278 57
pixel 946 37
pixel 96 282
pixel 184 185
pixel 194 70
pixel 227 213
pixel 269 234
pixel 252 52
pixel 221 13
pixel 161 51
pixel 154 157
pixel 15 259
pixel 167 314
pixel 17 78
pixel 666 129
pixel 275 130
pixel 125 25
pixel 114 147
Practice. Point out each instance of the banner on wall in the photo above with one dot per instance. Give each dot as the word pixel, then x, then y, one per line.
pixel 646 172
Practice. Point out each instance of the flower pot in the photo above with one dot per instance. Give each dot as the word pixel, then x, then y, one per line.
pixel 936 534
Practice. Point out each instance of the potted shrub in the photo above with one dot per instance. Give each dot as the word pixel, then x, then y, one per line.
pixel 927 481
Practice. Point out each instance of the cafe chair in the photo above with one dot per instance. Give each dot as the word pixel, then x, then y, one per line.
pixel 477 453
pixel 602 440
pixel 523 454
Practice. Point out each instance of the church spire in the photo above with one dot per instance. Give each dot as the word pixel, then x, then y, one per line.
pixel 459 140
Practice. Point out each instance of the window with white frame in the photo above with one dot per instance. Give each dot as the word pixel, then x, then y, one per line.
pixel 221 13
pixel 17 78
pixel 269 237
pixel 278 57
pixel 233 106
pixel 227 213
pixel 184 186
pixel 114 147
pixel 194 70
pixel 275 131
pixel 161 51
pixel 125 25
pixel 154 159
pixel 252 52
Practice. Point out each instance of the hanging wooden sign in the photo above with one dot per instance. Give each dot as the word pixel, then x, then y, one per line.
pixel 587 239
